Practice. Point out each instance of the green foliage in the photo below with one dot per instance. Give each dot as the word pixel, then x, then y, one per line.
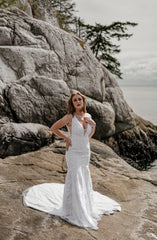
pixel 7 3
pixel 101 37
pixel 33 4
pixel 65 13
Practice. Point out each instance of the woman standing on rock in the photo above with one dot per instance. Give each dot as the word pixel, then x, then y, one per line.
pixel 75 201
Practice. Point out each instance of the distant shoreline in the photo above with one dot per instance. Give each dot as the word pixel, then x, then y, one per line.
pixel 142 99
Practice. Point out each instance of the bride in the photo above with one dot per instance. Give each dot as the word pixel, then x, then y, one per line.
pixel 75 201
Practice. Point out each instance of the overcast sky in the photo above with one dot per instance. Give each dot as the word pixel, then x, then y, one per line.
pixel 138 57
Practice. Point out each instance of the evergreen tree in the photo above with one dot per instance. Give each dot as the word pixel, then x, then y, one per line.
pixel 100 38
pixel 65 13
pixel 79 27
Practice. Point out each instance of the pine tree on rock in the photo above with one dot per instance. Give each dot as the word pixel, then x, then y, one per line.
pixel 101 38
pixel 65 13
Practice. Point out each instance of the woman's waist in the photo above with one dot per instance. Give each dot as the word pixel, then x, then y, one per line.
pixel 79 138
pixel 79 146
pixel 80 143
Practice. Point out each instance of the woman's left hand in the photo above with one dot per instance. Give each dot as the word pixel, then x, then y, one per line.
pixel 92 123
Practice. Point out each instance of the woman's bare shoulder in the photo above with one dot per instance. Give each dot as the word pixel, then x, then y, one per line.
pixel 69 116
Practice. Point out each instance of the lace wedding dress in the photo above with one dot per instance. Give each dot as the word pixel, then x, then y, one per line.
pixel 75 201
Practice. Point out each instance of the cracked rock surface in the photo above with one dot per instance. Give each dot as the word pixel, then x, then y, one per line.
pixel 135 190
pixel 41 65
pixel 20 138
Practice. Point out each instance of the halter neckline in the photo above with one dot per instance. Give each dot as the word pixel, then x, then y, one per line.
pixel 79 122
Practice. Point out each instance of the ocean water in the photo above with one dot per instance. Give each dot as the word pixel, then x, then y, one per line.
pixel 143 101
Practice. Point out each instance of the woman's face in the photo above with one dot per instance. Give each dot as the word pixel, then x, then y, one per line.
pixel 77 102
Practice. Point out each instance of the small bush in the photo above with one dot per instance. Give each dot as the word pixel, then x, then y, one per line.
pixel 7 3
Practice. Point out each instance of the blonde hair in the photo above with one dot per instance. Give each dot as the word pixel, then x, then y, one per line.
pixel 71 108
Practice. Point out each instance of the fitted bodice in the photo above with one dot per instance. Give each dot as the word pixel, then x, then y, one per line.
pixel 78 135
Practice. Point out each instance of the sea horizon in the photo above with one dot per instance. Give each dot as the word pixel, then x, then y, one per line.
pixel 142 99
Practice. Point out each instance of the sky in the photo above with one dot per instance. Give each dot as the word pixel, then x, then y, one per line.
pixel 138 56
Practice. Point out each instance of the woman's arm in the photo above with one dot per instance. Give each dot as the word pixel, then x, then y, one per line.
pixel 59 124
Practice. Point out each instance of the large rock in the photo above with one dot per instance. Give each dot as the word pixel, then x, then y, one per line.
pixel 43 10
pixel 41 65
pixel 104 115
pixel 38 100
pixel 111 175
pixel 25 6
pixel 39 9
pixel 20 138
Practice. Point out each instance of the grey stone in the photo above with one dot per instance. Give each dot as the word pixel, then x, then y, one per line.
pixel 40 100
pixel 5 36
pixel 104 116
pixel 45 11
pixel 111 175
pixel 18 138
pixel 41 65
pixel 25 6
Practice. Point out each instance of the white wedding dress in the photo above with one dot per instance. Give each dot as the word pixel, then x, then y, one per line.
pixel 75 201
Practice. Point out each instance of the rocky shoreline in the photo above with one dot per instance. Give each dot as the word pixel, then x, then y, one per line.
pixel 134 190
pixel 40 67
pixel 136 146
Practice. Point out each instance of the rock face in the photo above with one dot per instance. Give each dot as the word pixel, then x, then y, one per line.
pixel 44 11
pixel 39 9
pixel 41 65
pixel 136 145
pixel 20 138
pixel 25 6
pixel 134 190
